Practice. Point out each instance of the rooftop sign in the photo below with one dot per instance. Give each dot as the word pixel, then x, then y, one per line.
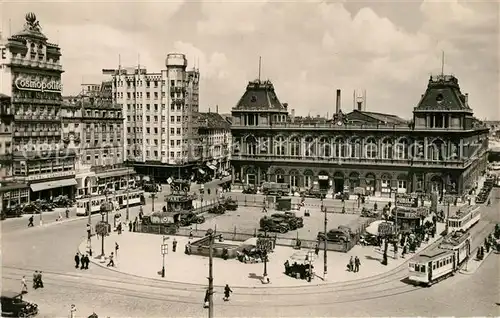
pixel 39 86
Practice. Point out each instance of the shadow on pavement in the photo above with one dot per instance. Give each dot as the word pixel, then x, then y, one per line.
pixel 371 258
pixel 255 276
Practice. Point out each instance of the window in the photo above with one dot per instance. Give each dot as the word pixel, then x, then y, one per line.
pixel 172 143
pixel 178 131
pixel 156 130
pixel 178 143
pixel 387 149
pixel 371 148
pixel 401 149
pixel 147 130
pixel 147 119
pixel 178 119
pixel 172 154
pixel 401 186
pixel 172 131
pixel 148 95
pixel 172 119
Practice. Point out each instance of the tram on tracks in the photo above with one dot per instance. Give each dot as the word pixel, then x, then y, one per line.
pixel 119 200
pixel 465 218
pixel 441 260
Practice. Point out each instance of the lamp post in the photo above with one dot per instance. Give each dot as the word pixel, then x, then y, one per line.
pixel 447 211
pixel 164 251
pixel 325 239
pixel 128 183
pixel 210 233
pixel 265 256
pixel 103 233
pixel 153 197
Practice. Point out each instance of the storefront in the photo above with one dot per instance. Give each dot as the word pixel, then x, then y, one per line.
pixel 408 219
pixel 54 188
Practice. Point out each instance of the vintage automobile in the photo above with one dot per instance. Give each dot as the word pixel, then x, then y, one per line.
pixel 13 305
pixel 270 224
pixel 369 213
pixel 293 221
pixel 218 209
pixel 191 218
pixel 249 190
pixel 231 204
pixel 340 234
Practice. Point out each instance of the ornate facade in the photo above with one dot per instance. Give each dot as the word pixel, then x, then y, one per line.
pixel 31 76
pixel 443 149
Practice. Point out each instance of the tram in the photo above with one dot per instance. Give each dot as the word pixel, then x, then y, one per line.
pixel 119 200
pixel 441 260
pixel 464 218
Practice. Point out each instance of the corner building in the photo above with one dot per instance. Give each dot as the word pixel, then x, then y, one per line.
pixel 160 110
pixel 31 76
pixel 443 149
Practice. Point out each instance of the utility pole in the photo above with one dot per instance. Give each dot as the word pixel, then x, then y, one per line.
pixel 396 224
pixel 325 239
pixel 128 180
pixel 210 275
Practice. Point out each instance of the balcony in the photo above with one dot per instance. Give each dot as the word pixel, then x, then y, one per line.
pixel 346 127
pixel 453 164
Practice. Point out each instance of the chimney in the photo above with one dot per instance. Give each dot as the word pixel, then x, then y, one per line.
pixel 360 106
pixel 208 109
pixel 217 109
pixel 466 99
pixel 337 105
pixel 292 115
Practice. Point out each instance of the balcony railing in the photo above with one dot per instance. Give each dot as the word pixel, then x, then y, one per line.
pixel 355 161
pixel 332 126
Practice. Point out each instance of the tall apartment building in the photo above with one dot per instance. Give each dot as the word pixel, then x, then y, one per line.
pixel 160 110
pixel 31 75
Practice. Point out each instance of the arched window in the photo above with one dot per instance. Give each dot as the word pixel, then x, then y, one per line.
pixel 295 146
pixel 251 142
pixel 324 147
pixel 308 178
pixel 310 147
pixel 279 146
pixel 340 148
pixel 371 148
pixel 401 149
pixel 385 183
pixel 387 149
pixel 355 148
pixel 436 150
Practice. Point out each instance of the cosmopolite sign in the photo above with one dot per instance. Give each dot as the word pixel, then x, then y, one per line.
pixel 39 86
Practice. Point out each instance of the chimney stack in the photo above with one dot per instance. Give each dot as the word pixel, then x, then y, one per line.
pixel 217 109
pixel 292 115
pixel 360 106
pixel 209 109
pixel 466 99
pixel 337 105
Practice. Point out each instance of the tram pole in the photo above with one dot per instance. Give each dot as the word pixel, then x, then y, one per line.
pixel 325 258
pixel 210 275
pixel 128 183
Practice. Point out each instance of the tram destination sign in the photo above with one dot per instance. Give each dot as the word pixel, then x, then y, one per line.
pixel 26 84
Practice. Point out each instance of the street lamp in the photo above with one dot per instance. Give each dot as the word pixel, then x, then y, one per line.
pixel 210 234
pixel 447 211
pixel 325 239
pixel 128 183
pixel 153 197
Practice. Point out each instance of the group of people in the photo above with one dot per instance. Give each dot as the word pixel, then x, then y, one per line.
pixel 353 265
pixel 302 271
pixel 82 260
pixel 37 282
pixel 227 293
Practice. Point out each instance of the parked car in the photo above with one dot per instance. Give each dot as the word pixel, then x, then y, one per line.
pixel 13 305
pixel 341 234
pixel 249 190
pixel 219 209
pixel 293 221
pixel 191 218
pixel 231 204
pixel 274 225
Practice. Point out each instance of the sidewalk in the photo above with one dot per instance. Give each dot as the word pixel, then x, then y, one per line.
pixel 140 255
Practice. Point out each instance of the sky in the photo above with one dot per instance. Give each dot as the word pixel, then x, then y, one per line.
pixel 308 48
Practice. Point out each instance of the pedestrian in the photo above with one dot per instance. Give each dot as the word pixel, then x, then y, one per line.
pixel 30 221
pixel 72 311
pixel 35 280
pixel 24 287
pixel 351 264
pixel 129 226
pixel 190 234
pixel 117 247
pixel 357 262
pixel 87 261
pixel 174 245
pixel 206 299
pixel 82 262
pixel 77 260
pixel 40 280
pixel 316 249
pixel 227 292
pixel 67 213
pixel 111 261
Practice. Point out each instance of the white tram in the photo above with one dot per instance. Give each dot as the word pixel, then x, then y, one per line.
pixel 440 260
pixel 464 218
pixel 135 197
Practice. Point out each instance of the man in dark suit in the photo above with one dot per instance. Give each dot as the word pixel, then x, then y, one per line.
pixel 77 259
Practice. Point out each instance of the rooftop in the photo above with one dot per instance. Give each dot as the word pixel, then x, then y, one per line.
pixel 357 115
pixel 213 121
pixel 260 95
pixel 443 93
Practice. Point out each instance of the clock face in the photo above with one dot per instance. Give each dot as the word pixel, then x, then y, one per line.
pixel 339 123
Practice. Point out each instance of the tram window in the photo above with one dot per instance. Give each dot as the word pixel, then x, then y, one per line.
pixel 434 266
pixel 412 265
pixel 422 269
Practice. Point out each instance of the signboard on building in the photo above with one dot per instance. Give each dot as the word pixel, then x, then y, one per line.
pixel 5 72
pixel 4 54
pixel 50 175
pixel 27 84
pixel 407 200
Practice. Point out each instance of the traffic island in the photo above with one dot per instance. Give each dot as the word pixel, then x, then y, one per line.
pixel 140 255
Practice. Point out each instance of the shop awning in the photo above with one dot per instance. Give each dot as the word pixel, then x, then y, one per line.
pixel 117 173
pixel 36 187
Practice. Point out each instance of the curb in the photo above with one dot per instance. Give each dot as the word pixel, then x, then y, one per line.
pixel 465 272
pixel 359 280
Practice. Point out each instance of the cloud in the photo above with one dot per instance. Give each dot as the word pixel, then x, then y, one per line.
pixel 309 48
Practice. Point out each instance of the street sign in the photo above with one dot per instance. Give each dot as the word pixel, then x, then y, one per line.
pixel 164 249
pixel 407 200
pixel 265 244
pixel 385 228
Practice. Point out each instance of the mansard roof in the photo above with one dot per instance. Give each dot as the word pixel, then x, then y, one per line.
pixel 443 94
pixel 260 95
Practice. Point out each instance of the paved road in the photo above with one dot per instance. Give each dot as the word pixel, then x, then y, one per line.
pixel 51 249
